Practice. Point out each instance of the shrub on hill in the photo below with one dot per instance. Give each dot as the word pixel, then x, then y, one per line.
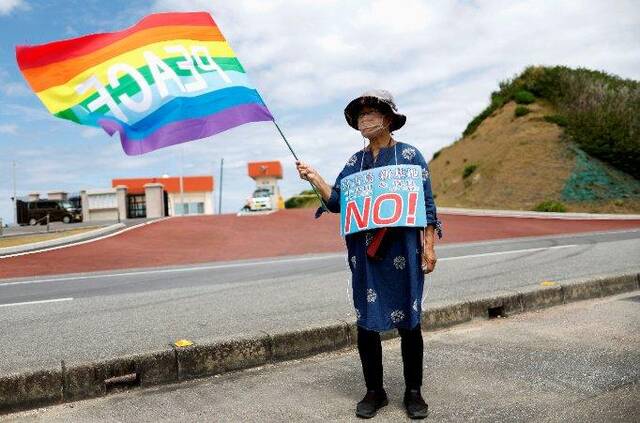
pixel 306 198
pixel 598 110
pixel 524 97
pixel 557 119
pixel 468 170
pixel 496 102
pixel 550 206
pixel 521 111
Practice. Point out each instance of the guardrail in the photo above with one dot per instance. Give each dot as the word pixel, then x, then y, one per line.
pixel 48 219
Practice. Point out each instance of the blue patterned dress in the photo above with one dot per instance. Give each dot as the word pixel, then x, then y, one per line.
pixel 387 293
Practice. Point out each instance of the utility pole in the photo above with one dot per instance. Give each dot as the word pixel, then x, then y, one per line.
pixel 220 190
pixel 181 180
pixel 15 200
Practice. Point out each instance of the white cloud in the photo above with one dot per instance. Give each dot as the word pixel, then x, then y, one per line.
pixel 8 6
pixel 8 128
pixel 91 132
pixel 308 53
pixel 70 31
pixel 29 113
pixel 441 59
pixel 15 89
pixel 12 88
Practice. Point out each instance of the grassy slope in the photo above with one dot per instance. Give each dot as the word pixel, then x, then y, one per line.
pixel 523 162
pixel 520 163
pixel 305 199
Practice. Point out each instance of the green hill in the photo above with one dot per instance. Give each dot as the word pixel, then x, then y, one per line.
pixel 551 138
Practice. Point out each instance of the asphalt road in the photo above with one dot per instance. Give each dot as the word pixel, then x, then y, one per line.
pixel 573 363
pixel 190 240
pixel 96 316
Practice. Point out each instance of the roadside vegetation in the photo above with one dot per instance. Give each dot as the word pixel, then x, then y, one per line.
pixel 599 111
pixel 550 206
pixel 15 240
pixel 306 198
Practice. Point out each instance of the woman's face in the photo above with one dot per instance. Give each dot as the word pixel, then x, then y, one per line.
pixel 372 122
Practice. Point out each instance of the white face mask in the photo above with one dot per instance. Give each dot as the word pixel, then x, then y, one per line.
pixel 371 124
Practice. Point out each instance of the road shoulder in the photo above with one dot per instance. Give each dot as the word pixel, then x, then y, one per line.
pixel 560 363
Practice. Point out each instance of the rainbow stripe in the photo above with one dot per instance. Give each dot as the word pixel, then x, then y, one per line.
pixel 169 79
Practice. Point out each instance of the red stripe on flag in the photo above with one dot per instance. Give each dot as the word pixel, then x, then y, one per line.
pixel 44 54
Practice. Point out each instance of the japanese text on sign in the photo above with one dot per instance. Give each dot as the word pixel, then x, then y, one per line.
pixel 383 196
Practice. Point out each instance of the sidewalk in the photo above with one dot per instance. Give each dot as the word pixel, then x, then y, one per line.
pixel 572 363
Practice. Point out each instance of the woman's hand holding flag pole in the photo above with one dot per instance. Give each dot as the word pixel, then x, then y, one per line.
pixel 315 190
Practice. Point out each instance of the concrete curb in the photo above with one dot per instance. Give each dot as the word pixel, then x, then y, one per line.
pixel 35 246
pixel 51 231
pixel 535 214
pixel 173 364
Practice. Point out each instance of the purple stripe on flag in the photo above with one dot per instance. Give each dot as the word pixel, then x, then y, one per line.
pixel 188 129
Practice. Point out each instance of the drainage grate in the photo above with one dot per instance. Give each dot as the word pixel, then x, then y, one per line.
pixel 495 312
pixel 119 383
pixel 635 299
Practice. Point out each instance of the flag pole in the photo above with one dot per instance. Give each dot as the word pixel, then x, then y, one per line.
pixel 324 206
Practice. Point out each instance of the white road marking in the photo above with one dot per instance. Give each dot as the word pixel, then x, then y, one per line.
pixel 55 300
pixel 526 250
pixel 253 263
pixel 177 270
pixel 536 215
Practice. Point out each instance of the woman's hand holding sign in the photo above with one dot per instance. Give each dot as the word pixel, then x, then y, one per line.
pixel 428 252
pixel 428 260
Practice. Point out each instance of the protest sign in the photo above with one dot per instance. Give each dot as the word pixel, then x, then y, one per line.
pixel 381 197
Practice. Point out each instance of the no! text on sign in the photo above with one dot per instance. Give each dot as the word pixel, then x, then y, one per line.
pixel 380 197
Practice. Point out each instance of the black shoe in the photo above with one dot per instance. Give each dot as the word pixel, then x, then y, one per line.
pixel 415 405
pixel 372 401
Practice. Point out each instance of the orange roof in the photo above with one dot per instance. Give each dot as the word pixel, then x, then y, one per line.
pixel 257 169
pixel 172 184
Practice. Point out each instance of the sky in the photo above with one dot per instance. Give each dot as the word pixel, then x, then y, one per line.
pixel 308 59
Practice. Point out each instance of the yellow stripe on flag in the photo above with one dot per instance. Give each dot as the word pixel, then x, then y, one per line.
pixel 62 97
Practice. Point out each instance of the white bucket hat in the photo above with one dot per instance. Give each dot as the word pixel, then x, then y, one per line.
pixel 375 98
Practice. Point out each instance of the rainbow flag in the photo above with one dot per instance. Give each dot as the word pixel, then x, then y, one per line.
pixel 169 79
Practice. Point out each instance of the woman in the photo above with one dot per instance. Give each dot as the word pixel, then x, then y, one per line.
pixel 387 289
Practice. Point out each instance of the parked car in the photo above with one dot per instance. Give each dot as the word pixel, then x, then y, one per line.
pixel 62 211
pixel 260 200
